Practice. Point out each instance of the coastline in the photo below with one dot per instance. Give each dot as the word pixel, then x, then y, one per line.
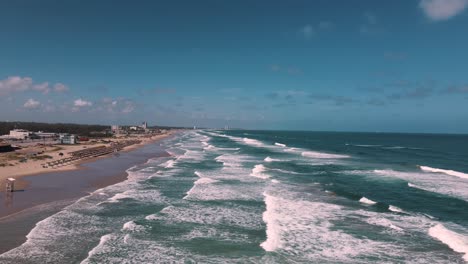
pixel 31 168
pixel 56 189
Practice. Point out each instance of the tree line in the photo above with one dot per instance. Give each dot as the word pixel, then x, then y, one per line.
pixel 82 130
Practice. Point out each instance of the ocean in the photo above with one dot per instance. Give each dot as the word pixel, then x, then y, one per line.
pixel 272 197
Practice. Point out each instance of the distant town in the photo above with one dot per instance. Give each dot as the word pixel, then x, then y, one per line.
pixel 27 147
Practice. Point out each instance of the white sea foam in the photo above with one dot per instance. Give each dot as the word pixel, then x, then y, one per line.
pixel 275 181
pixel 132 226
pixel 364 146
pixel 252 142
pixel 285 171
pixel 119 196
pixel 273 230
pixel 93 251
pixel 205 181
pixel 259 172
pixel 428 181
pixel 379 221
pixel 280 145
pixel 169 164
pixel 457 242
pixel 268 159
pixel 152 217
pixel 395 147
pixel 305 229
pixel 395 209
pixel 418 187
pixel 321 155
pixel 448 172
pixel 209 147
pixel 230 160
pixel 241 216
pixel 364 200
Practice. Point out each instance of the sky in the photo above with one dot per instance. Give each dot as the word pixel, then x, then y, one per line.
pixel 333 65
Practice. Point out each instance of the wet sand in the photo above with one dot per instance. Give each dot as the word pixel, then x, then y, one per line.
pixel 48 193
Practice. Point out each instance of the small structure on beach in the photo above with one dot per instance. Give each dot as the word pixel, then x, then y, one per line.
pixel 10 185
pixel 68 139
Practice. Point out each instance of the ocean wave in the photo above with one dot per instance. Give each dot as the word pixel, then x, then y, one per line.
pixel 448 172
pixel 395 209
pixel 133 227
pixel 364 146
pixel 203 179
pixel 280 145
pixel 259 172
pixel 321 155
pixel 169 164
pixel 232 160
pixel 268 159
pixel 380 221
pixel 275 181
pixel 252 142
pixel 93 251
pixel 117 197
pixel 305 229
pixel 457 242
pixel 365 200
pixel 285 171
pixel 431 182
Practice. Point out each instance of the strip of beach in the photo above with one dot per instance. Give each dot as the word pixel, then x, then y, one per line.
pixel 44 187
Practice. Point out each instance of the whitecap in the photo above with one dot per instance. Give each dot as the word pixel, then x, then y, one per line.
pixel 457 242
pixel 448 172
pixel 321 155
pixel 364 200
pixel 258 171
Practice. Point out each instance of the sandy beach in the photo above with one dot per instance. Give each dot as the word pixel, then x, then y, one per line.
pixel 44 191
pixel 18 169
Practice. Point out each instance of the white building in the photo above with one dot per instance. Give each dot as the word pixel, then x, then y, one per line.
pixel 68 139
pixel 44 135
pixel 20 134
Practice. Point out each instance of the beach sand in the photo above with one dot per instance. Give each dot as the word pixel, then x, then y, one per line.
pixel 47 193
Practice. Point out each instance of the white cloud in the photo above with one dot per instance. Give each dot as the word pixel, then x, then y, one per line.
pixel 60 87
pixel 14 84
pixel 438 10
pixel 42 87
pixel 31 104
pixel 82 103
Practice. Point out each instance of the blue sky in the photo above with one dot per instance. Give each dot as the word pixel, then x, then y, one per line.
pixel 303 65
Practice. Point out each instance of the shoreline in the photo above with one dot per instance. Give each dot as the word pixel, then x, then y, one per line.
pixel 33 168
pixel 54 187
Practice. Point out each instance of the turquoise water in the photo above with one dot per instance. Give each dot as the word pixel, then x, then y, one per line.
pixel 272 197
